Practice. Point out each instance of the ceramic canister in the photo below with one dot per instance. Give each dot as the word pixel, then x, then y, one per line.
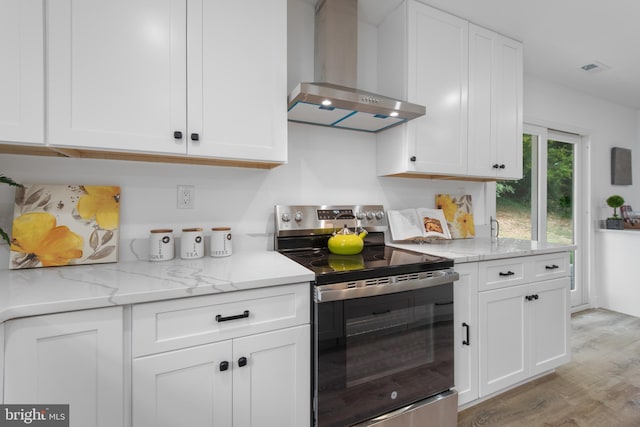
pixel 220 241
pixel 161 245
pixel 191 243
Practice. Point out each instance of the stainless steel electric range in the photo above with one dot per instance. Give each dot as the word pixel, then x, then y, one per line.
pixel 382 322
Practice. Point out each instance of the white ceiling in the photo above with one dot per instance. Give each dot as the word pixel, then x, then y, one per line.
pixel 559 37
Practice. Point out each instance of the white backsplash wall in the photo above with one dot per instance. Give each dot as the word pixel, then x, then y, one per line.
pixel 326 166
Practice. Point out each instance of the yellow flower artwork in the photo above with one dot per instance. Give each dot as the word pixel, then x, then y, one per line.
pixel 58 225
pixel 458 212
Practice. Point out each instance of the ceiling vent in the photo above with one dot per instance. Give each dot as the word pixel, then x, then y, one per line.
pixel 595 67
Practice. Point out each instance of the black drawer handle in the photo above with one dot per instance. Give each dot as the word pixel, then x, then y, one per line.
pixel 377 313
pixel 467 341
pixel 219 318
pixel 224 365
pixel 242 361
pixel 508 273
pixel 177 134
pixel 551 267
pixel 195 137
pixel 532 297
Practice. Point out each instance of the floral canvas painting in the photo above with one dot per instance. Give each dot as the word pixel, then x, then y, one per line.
pixel 57 225
pixel 458 211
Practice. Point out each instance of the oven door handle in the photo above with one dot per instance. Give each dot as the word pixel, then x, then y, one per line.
pixel 360 289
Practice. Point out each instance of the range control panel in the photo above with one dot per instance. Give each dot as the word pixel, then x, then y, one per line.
pixel 323 219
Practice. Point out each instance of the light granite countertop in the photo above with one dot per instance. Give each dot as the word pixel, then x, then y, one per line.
pixel 483 249
pixel 50 290
pixel 57 289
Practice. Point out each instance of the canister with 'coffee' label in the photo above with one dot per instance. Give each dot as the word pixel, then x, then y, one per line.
pixel 220 243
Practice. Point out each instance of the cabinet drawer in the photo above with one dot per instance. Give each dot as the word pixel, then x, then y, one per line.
pixel 170 325
pixel 551 266
pixel 502 273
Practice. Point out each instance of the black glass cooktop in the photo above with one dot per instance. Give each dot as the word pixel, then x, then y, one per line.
pixel 372 262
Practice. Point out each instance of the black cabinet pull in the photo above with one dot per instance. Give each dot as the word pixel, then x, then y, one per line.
pixel 413 158
pixel 195 137
pixel 224 365
pixel 532 297
pixel 219 318
pixel 528 297
pixel 551 267
pixel 177 134
pixel 502 166
pixel 535 296
pixel 242 361
pixel 467 341
pixel 508 273
pixel 496 166
pixel 377 313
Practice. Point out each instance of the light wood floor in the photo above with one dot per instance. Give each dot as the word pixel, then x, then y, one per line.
pixel 600 387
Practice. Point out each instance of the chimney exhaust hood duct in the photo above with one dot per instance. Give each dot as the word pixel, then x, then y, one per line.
pixel 331 100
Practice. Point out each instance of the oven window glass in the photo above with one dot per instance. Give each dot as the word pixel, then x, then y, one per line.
pixel 377 354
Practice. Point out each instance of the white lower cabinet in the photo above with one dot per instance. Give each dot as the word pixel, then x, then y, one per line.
pixel 257 380
pixel 524 331
pixel 511 322
pixel 236 359
pixel 465 314
pixel 73 358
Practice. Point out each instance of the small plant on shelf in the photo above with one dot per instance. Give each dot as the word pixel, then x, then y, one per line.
pixel 615 222
pixel 615 202
pixel 8 181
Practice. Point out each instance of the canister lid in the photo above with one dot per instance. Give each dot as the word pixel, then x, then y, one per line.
pixel 192 229
pixel 162 230
pixel 221 229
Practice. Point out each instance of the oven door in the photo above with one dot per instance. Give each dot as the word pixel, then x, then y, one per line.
pixel 379 353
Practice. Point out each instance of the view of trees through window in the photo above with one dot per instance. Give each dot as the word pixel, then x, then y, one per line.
pixel 514 198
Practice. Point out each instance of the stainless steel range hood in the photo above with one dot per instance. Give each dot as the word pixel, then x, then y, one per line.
pixel 332 100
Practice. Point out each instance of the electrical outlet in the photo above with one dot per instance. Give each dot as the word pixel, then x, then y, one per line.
pixel 186 196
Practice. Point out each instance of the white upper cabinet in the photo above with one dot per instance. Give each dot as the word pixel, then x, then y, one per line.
pixel 180 77
pixel 432 72
pixel 21 71
pixel 495 105
pixel 469 79
pixel 237 86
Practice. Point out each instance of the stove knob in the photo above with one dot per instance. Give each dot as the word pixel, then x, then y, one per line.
pixel 360 215
pixel 370 215
pixel 379 215
pixel 286 217
pixel 298 216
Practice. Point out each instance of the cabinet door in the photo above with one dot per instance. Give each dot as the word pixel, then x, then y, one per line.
pixel 550 325
pixel 504 357
pixel 438 79
pixel 117 74
pixel 273 388
pixel 186 387
pixel 237 79
pixel 482 102
pixel 508 107
pixel 71 358
pixel 495 105
pixel 465 314
pixel 21 71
